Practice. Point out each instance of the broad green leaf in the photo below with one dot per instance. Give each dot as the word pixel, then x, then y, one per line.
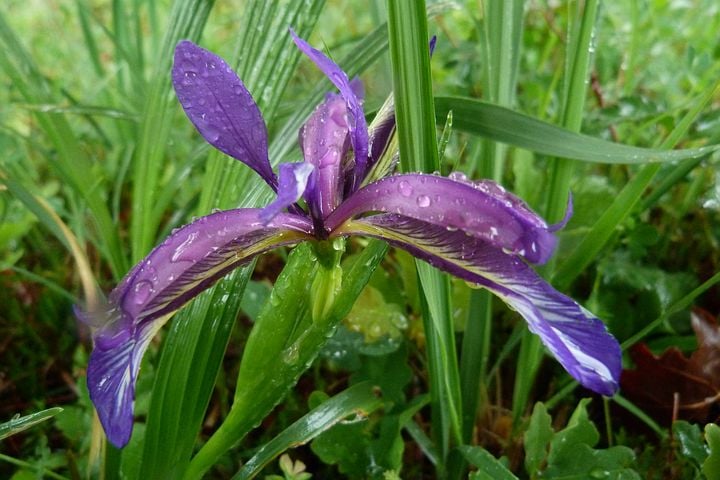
pixel 360 399
pixel 711 465
pixel 572 456
pixel 690 442
pixel 285 341
pixel 18 424
pixel 489 467
pixel 520 130
pixel 537 439
pixel 368 449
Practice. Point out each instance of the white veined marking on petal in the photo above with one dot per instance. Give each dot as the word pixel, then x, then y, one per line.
pixel 586 360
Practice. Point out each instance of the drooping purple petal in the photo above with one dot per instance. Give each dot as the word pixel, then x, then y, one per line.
pixel 111 375
pixel 294 179
pixel 356 120
pixel 189 261
pixel 483 209
pixel 325 141
pixel 575 337
pixel 221 108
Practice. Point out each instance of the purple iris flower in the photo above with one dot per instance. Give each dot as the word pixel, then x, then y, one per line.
pixel 474 230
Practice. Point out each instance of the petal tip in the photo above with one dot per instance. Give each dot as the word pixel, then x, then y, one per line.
pixel 111 384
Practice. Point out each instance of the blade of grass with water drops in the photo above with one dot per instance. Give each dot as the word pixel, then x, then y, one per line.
pixel 410 58
pixel 187 20
pixel 517 129
pixel 360 399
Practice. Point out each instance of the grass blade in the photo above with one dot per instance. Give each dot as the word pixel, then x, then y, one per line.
pixel 187 20
pixel 520 130
pixel 414 107
pixel 17 425
pixel 358 399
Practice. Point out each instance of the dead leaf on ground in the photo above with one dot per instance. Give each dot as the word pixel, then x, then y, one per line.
pixel 659 384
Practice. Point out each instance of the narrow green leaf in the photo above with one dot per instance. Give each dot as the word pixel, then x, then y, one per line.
pixel 40 471
pixel 359 399
pixel 18 424
pixel 187 20
pixel 285 341
pixel 414 111
pixel 520 130
pixel 501 31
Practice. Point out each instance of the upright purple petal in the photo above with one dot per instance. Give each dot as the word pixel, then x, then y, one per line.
pixel 189 261
pixel 294 178
pixel 575 337
pixel 381 131
pixel 325 141
pixel 483 209
pixel 221 108
pixel 356 121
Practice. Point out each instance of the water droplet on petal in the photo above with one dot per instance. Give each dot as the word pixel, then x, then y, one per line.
pixel 405 189
pixel 423 201
pixel 183 247
pixel 211 133
pixel 143 289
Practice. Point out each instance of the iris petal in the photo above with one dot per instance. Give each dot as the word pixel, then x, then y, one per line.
pixel 483 209
pixel 294 181
pixel 221 108
pixel 356 123
pixel 191 260
pixel 324 140
pixel 575 337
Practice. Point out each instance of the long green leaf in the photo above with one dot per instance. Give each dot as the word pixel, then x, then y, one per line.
pixel 358 399
pixel 188 18
pixel 624 203
pixel 17 425
pixel 523 131
pixel 412 87
pixel 284 341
